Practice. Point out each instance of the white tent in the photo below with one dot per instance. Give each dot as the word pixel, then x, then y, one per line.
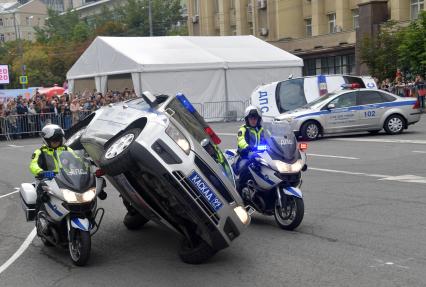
pixel 205 69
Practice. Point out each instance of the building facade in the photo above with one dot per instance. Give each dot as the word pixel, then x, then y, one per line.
pixel 324 33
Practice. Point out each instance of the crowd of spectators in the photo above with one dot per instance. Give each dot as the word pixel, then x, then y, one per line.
pixel 403 86
pixel 23 116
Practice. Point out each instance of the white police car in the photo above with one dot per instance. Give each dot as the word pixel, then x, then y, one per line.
pixel 353 111
pixel 279 97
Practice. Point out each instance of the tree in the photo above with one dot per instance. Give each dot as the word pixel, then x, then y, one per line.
pixel 380 53
pixel 412 49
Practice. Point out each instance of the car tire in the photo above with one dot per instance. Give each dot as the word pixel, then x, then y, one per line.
pixel 134 221
pixel 195 254
pixel 310 131
pixel 116 158
pixel 394 124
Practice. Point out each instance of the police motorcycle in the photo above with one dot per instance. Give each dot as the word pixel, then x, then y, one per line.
pixel 65 212
pixel 272 186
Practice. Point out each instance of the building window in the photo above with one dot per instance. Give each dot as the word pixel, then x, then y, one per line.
pixel 1 22
pixel 196 7
pixel 332 23
pixel 232 4
pixel 216 6
pixel 416 8
pixel 355 18
pixel 330 65
pixel 1 37
pixel 308 27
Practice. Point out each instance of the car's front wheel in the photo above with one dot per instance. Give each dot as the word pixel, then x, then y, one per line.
pixel 195 253
pixel 394 124
pixel 116 158
pixel 310 130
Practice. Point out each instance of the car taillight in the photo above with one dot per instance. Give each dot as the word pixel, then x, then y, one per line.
pixel 303 146
pixel 416 105
pixel 216 140
pixel 99 172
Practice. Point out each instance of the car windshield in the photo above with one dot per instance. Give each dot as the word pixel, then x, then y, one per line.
pixel 74 172
pixel 195 125
pixel 319 101
pixel 281 140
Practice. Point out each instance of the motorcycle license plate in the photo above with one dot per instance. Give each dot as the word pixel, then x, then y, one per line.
pixel 205 190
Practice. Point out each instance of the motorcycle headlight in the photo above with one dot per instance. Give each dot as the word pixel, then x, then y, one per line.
pixel 74 197
pixel 242 214
pixel 178 137
pixel 283 167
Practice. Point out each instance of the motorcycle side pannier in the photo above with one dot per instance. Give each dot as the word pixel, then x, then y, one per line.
pixel 28 197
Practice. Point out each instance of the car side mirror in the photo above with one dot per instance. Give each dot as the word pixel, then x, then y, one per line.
pixel 331 106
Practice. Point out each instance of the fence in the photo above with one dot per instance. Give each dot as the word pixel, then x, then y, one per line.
pixel 16 126
pixel 222 111
pixel 412 90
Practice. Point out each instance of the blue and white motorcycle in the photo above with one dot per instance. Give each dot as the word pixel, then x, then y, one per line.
pixel 65 212
pixel 271 185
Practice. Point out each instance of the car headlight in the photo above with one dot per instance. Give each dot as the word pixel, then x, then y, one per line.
pixel 74 197
pixel 283 167
pixel 242 214
pixel 178 137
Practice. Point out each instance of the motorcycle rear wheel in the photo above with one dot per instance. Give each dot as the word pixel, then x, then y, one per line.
pixel 290 216
pixel 80 247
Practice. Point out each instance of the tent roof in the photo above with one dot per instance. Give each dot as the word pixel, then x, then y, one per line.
pixel 117 55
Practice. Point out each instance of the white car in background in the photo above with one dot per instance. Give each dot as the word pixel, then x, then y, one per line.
pixel 279 97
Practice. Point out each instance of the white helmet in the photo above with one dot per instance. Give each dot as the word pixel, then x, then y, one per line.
pixel 52 133
pixel 252 111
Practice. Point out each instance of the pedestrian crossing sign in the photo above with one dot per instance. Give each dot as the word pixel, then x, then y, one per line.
pixel 23 80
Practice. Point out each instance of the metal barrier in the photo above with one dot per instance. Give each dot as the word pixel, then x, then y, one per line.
pixel 411 90
pixel 15 126
pixel 219 111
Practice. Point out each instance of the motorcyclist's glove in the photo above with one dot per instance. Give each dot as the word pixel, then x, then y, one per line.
pixel 47 174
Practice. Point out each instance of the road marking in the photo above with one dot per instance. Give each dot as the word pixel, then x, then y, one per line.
pixel 13 192
pixel 19 252
pixel 419 151
pixel 408 178
pixel 398 141
pixel 227 134
pixel 332 156
pixel 12 145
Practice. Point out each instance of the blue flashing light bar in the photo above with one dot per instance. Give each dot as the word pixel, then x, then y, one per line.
pixel 185 102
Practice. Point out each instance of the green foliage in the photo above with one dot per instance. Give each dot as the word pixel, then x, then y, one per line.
pixel 396 47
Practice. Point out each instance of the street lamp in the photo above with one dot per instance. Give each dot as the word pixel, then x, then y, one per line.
pixel 20 50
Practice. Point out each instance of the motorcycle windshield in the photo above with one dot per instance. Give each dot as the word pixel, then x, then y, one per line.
pixel 74 173
pixel 281 141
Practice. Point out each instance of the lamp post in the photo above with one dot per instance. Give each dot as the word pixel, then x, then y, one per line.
pixel 151 32
pixel 20 50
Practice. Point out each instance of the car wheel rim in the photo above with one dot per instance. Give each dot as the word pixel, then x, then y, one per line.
pixel 312 131
pixel 119 146
pixel 395 125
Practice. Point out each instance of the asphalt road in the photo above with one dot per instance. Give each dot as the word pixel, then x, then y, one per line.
pixel 364 225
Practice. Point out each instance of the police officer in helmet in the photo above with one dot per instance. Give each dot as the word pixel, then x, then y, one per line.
pixel 250 136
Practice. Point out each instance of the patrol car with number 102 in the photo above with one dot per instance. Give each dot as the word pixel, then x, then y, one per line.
pixel 353 110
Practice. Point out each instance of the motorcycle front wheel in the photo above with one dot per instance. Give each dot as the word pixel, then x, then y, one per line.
pixel 290 215
pixel 79 247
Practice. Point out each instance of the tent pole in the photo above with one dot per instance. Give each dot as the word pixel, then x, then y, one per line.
pixel 226 96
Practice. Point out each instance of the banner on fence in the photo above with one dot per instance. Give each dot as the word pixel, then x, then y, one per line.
pixel 13 93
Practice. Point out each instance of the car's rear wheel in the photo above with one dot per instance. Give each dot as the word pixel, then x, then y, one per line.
pixel 394 124
pixel 195 253
pixel 116 158
pixel 310 130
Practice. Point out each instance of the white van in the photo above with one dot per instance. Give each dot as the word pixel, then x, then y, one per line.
pixel 279 97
